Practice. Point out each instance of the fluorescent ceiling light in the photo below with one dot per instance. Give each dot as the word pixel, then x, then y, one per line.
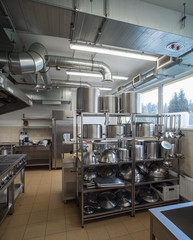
pixel 87 74
pixel 110 51
pixel 105 89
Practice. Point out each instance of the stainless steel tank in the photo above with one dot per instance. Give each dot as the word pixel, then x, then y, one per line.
pixel 109 103
pixel 130 102
pixel 88 99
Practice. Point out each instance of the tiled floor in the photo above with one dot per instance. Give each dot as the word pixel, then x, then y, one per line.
pixel 40 214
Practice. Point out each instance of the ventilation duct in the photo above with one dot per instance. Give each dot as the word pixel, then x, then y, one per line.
pixel 59 61
pixel 28 62
pixel 70 84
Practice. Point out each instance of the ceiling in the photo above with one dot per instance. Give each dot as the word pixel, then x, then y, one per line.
pixel 55 27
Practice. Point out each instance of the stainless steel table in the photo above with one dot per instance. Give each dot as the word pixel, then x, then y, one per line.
pixel 172 222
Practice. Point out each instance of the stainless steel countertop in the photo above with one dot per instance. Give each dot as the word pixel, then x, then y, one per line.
pixel 176 219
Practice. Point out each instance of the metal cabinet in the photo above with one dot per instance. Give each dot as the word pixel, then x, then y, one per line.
pixel 69 174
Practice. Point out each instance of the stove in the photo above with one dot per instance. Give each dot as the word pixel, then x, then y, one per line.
pixel 6 174
pixel 15 160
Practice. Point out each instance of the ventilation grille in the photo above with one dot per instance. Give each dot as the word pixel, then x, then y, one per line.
pixel 165 61
pixel 136 79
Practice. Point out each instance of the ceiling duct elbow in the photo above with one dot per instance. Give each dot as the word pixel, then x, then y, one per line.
pixel 71 63
pixel 31 61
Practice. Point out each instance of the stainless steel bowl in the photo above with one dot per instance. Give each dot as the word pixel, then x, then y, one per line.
pixel 89 158
pixel 157 171
pixel 109 156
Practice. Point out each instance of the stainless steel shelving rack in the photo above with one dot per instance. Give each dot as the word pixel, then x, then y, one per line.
pixel 81 191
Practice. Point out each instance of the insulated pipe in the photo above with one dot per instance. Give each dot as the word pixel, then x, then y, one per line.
pixel 72 84
pixel 59 61
pixel 31 61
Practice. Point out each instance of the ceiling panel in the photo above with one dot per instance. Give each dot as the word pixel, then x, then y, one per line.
pixel 86 27
pixel 130 36
pixel 38 18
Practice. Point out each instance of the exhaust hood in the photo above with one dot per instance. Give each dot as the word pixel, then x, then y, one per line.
pixel 11 98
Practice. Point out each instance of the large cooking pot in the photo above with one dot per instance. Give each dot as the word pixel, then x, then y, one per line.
pixel 128 130
pixel 139 152
pixel 130 102
pixel 109 103
pixel 115 131
pixel 151 150
pixel 109 156
pixel 3 151
pixel 92 131
pixel 123 154
pixel 145 129
pixel 88 99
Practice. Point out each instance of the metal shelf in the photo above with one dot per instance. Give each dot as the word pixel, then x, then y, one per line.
pixel 127 185
pixel 37 127
pixel 4 210
pixel 156 204
pixel 151 180
pixel 106 213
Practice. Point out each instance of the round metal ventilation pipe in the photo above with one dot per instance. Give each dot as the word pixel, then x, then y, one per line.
pixel 31 61
pixel 71 84
pixel 59 61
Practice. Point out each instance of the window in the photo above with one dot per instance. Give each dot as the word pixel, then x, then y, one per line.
pixel 149 101
pixel 178 98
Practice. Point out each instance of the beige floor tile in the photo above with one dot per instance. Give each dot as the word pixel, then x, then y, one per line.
pixel 116 230
pixel 36 217
pixel 77 234
pixel 57 236
pixel 35 230
pixel 56 204
pixel 17 220
pixel 141 235
pixel 94 223
pixel 73 222
pixel 125 237
pixel 55 226
pixel 22 209
pixel 56 214
pixel 41 206
pixel 5 223
pixel 133 225
pixel 15 233
pixel 96 233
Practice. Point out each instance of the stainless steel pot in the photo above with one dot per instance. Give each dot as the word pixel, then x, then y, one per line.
pixel 109 103
pixel 109 156
pixel 151 150
pixel 88 99
pixel 92 131
pixel 159 130
pixel 128 130
pixel 3 151
pixel 139 152
pixel 145 129
pixel 115 131
pixel 123 154
pixel 130 102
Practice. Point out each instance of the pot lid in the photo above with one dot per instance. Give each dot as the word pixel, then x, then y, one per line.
pixel 166 145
